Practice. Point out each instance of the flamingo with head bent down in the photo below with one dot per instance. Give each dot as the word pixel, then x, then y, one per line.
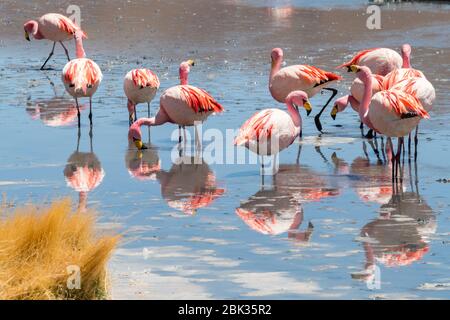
pixel 54 27
pixel 309 79
pixel 184 105
pixel 81 76
pixel 140 86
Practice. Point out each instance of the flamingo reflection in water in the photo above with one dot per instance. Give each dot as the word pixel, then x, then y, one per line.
pixel 143 164
pixel 189 185
pixel 83 173
pixel 400 234
pixel 57 111
pixel 279 208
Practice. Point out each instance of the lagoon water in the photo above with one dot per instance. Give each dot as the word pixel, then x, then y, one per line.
pixel 329 227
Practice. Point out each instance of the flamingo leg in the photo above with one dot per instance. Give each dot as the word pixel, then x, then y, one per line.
pixel 409 145
pixel 298 153
pixel 78 113
pixel 148 109
pixel 361 125
pixel 369 134
pixel 382 150
pixel 49 56
pixel 317 117
pixel 416 142
pixel 65 50
pixel 90 111
pixel 135 113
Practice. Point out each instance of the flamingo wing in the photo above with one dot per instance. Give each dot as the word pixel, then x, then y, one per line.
pixel 84 69
pixel 316 76
pixel 404 104
pixel 357 58
pixel 259 126
pixel 68 26
pixel 145 78
pixel 199 100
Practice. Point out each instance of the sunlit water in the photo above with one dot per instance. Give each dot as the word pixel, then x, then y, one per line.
pixel 327 227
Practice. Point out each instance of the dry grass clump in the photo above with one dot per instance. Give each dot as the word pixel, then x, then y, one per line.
pixel 37 245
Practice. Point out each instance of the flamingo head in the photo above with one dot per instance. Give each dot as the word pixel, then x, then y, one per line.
pixel 135 136
pixel 185 68
pixel 30 27
pixel 299 98
pixel 276 55
pixel 406 49
pixel 339 106
pixel 362 72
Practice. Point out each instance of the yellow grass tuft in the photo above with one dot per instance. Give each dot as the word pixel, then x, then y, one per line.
pixel 38 245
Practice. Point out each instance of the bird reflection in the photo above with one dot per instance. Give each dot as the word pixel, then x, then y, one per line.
pixel 189 185
pixel 279 208
pixel 83 173
pixel 143 164
pixel 400 234
pixel 54 112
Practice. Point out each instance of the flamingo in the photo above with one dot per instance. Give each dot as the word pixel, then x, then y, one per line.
pixel 140 86
pixel 307 78
pixel 81 76
pixel 184 105
pixel 394 113
pixel 270 131
pixel 54 27
pixel 380 61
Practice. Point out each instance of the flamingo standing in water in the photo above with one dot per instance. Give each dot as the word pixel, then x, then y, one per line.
pixel 140 86
pixel 394 113
pixel 309 79
pixel 270 131
pixel 81 76
pixel 54 27
pixel 380 61
pixel 184 105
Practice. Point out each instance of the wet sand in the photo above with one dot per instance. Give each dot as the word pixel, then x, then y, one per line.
pixel 218 251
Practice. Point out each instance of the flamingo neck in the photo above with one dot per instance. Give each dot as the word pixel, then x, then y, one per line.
pixel 276 66
pixel 295 115
pixel 183 76
pixel 82 201
pixel 79 46
pixel 367 97
pixel 406 55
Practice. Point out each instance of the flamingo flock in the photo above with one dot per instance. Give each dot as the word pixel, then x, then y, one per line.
pixel 390 97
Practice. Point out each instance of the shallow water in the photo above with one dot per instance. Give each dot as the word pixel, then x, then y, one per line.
pixel 319 229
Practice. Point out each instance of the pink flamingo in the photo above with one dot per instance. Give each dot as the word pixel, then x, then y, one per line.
pixel 380 61
pixel 54 27
pixel 184 105
pixel 309 79
pixel 81 76
pixel 394 113
pixel 140 86
pixel 270 131
pixel 405 72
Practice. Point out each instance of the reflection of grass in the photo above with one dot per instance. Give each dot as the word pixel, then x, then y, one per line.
pixel 38 244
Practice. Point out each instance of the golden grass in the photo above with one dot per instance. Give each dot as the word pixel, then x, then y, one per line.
pixel 37 245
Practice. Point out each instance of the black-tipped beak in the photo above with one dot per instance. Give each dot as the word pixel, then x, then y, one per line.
pixel 308 112
pixel 27 36
pixel 349 69
pixel 333 116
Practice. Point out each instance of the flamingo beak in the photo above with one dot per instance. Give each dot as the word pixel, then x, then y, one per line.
pixel 139 144
pixel 27 36
pixel 354 68
pixel 334 112
pixel 191 62
pixel 308 108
